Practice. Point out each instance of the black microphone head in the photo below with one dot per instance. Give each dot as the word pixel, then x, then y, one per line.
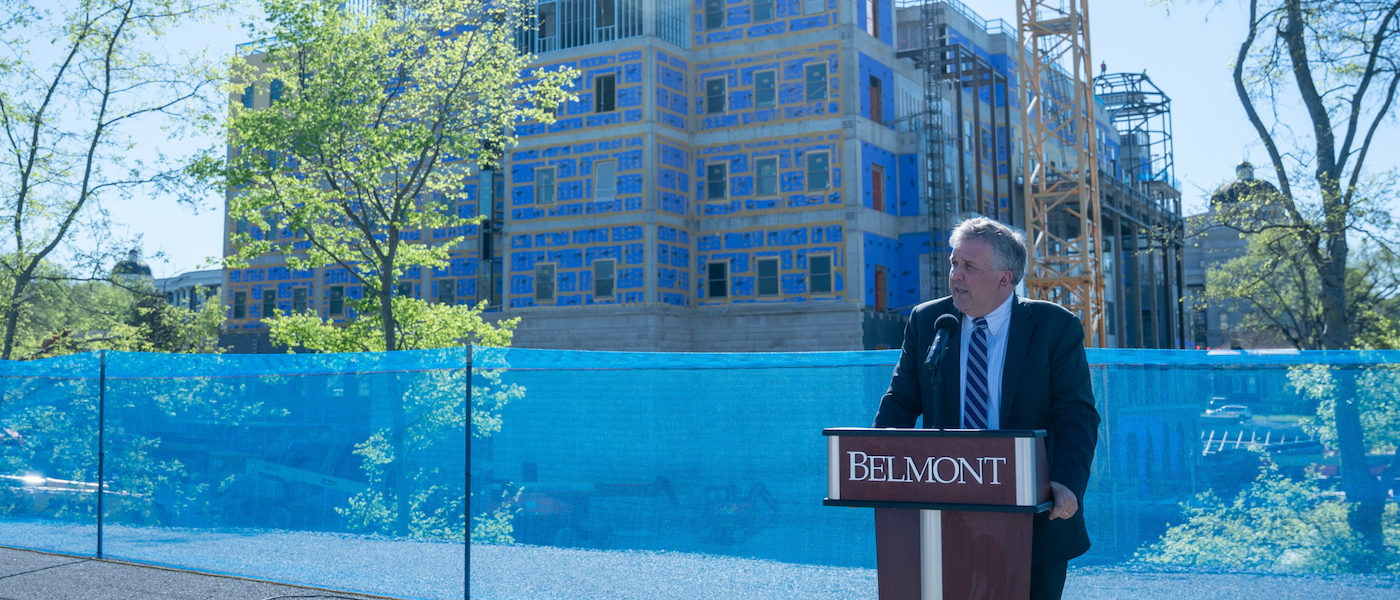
pixel 945 328
pixel 949 322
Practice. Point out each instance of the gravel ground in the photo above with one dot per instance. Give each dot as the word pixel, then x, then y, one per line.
pixel 522 572
pixel 433 571
pixel 511 572
pixel 1112 583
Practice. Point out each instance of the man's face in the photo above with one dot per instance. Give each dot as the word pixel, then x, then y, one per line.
pixel 978 286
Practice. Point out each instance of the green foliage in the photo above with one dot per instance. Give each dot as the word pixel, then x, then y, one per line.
pixel 1279 291
pixel 403 494
pixel 80 85
pixel 1377 397
pixel 1276 524
pixel 1334 60
pixel 60 314
pixel 489 397
pixel 407 474
pixel 381 118
pixel 368 510
pixel 59 423
pixel 39 308
pixel 496 526
pixel 160 327
pixel 420 325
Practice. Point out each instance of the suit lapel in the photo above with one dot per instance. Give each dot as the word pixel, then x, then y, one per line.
pixel 1019 329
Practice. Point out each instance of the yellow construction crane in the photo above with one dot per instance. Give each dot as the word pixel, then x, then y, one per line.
pixel 1061 176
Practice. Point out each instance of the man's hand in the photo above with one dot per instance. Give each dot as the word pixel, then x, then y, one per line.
pixel 1066 504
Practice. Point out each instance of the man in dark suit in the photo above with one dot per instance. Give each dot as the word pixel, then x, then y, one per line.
pixel 1018 364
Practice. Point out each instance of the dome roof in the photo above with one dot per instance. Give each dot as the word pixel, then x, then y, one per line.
pixel 133 265
pixel 1244 186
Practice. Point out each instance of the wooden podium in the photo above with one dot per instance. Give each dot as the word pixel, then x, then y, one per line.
pixel 953 508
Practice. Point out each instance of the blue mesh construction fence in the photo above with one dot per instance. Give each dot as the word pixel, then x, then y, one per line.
pixel 351 471
pixel 342 471
pixel 48 452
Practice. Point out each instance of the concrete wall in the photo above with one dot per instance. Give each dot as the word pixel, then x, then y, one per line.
pixel 737 328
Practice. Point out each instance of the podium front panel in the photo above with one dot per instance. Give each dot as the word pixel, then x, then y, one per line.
pixel 994 470
pixel 946 555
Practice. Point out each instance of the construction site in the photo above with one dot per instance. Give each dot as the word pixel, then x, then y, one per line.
pixel 1091 180
pixel 760 176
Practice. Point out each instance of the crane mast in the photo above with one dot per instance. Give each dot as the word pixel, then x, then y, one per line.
pixel 1060 172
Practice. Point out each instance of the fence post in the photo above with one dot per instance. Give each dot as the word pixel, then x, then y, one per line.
pixel 101 441
pixel 467 502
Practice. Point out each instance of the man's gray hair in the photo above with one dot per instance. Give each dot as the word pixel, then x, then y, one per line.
pixel 1008 245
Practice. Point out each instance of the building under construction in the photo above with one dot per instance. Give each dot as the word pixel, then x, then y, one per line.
pixel 1125 240
pixel 750 175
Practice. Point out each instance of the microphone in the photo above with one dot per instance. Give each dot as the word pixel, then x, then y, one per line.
pixel 945 328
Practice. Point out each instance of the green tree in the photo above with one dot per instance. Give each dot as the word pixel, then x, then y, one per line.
pixel 1339 60
pixel 63 313
pixel 160 327
pixel 59 425
pixel 1278 292
pixel 409 492
pixel 1378 396
pixel 1275 524
pixel 405 494
pixel 78 83
pixel 382 117
pixel 59 420
pixel 423 326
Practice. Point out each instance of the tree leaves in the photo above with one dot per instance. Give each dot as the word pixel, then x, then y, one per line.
pixel 77 88
pixel 384 117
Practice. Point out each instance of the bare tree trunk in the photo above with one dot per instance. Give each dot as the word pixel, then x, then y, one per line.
pixel 1327 250
pixel 12 313
pixel 386 310
pixel 1363 491
pixel 399 479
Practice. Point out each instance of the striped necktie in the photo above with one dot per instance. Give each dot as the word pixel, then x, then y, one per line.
pixel 975 402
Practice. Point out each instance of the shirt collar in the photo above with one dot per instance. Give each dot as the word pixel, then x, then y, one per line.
pixel 996 320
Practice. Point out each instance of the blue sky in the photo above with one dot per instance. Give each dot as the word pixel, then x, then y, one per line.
pixel 1186 48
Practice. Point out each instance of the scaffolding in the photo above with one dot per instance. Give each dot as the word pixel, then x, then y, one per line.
pixel 1143 209
pixel 940 197
pixel 1106 235
pixel 966 126
pixel 983 144
pixel 1141 113
pixel 1061 181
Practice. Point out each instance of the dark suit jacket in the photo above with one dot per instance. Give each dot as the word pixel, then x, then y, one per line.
pixel 1045 385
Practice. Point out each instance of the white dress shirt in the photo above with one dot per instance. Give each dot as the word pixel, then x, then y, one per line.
pixel 997 325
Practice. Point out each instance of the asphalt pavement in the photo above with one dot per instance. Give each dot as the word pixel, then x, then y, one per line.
pixel 28 575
